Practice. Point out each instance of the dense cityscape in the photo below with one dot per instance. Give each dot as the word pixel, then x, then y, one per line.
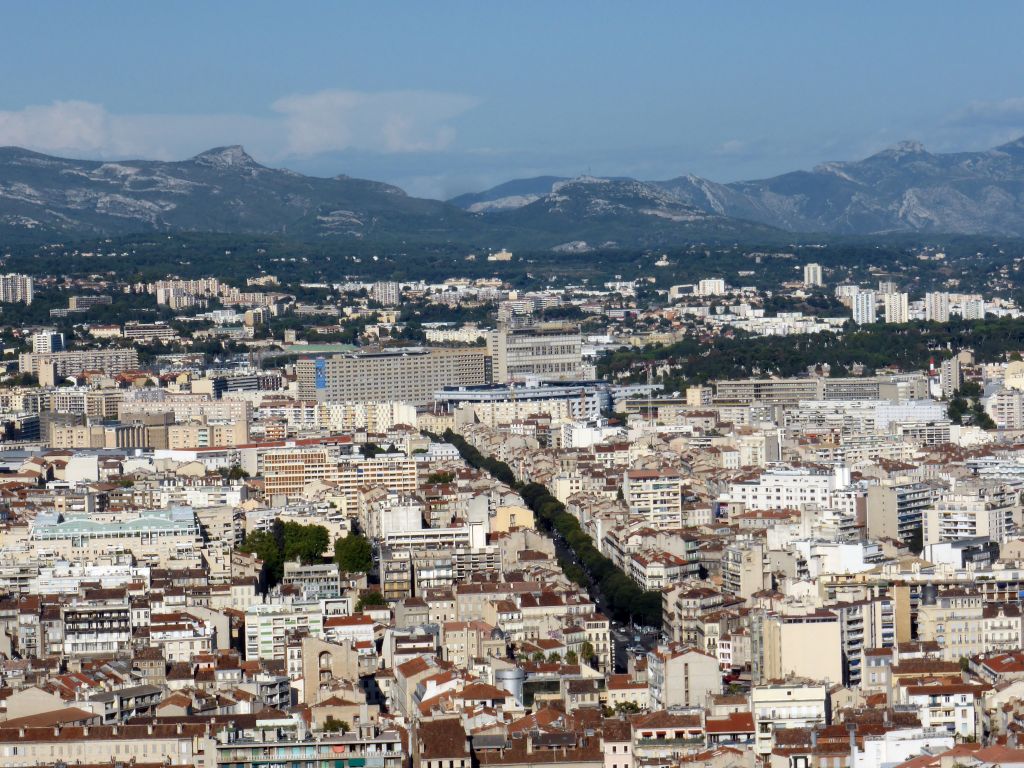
pixel 263 522
pixel 526 385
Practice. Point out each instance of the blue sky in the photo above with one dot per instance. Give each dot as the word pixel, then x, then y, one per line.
pixel 445 97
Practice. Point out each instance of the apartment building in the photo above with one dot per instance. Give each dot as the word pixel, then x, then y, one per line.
pixel 657 570
pixel 47 342
pixel 964 626
pixel 394 471
pixel 410 374
pixel 864 307
pixel 154 537
pixel 969 510
pixel 73 362
pixel 536 350
pixel 100 404
pixel 101 628
pixel 655 495
pixel 936 307
pixel 947 707
pixel 208 434
pixel 268 625
pixel 787 487
pixel 15 288
pixel 801 644
pixel 148 331
pixel 388 293
pixel 813 277
pixel 711 286
pixel 102 435
pixel 769 390
pixel 184 407
pixel 864 624
pixel 364 746
pixel 896 510
pixel 785 705
pixel 287 472
pixel 742 567
pixel 98 745
pixel 681 677
pixel 896 307
pixel 317 582
pixel 180 635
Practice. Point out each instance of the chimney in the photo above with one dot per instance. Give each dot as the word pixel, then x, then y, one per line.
pixel 814 737
pixel 149 729
pixel 852 728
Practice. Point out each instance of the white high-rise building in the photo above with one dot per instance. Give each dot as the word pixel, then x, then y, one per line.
pixel 973 309
pixel 936 307
pixel 46 342
pixel 387 293
pixel 864 307
pixel 896 307
pixel 813 275
pixel 950 376
pixel 14 288
pixel 711 286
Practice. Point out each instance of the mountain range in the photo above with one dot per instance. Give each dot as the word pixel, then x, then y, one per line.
pixel 903 189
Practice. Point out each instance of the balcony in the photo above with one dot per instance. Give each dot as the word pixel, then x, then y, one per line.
pixel 676 742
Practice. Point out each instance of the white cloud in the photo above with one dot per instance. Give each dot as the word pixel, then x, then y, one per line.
pixel 731 147
pixel 396 121
pixel 1009 112
pixel 77 126
pixel 303 125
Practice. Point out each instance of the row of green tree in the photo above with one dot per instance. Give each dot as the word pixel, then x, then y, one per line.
pixel 696 360
pixel 625 600
pixel 498 469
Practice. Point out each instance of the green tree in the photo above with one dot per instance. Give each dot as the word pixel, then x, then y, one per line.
pixel 264 545
pixel 331 725
pixel 306 543
pixel 353 554
pixel 235 472
pixel 587 652
pixel 440 478
pixel 572 658
pixel 554 657
pixel 371 600
pixel 538 656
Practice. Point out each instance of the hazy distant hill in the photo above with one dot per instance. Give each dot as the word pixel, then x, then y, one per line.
pixel 221 190
pixel 225 190
pixel 590 213
pixel 511 194
pixel 902 189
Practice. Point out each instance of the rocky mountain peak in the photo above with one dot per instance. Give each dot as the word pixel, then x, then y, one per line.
pixel 233 156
